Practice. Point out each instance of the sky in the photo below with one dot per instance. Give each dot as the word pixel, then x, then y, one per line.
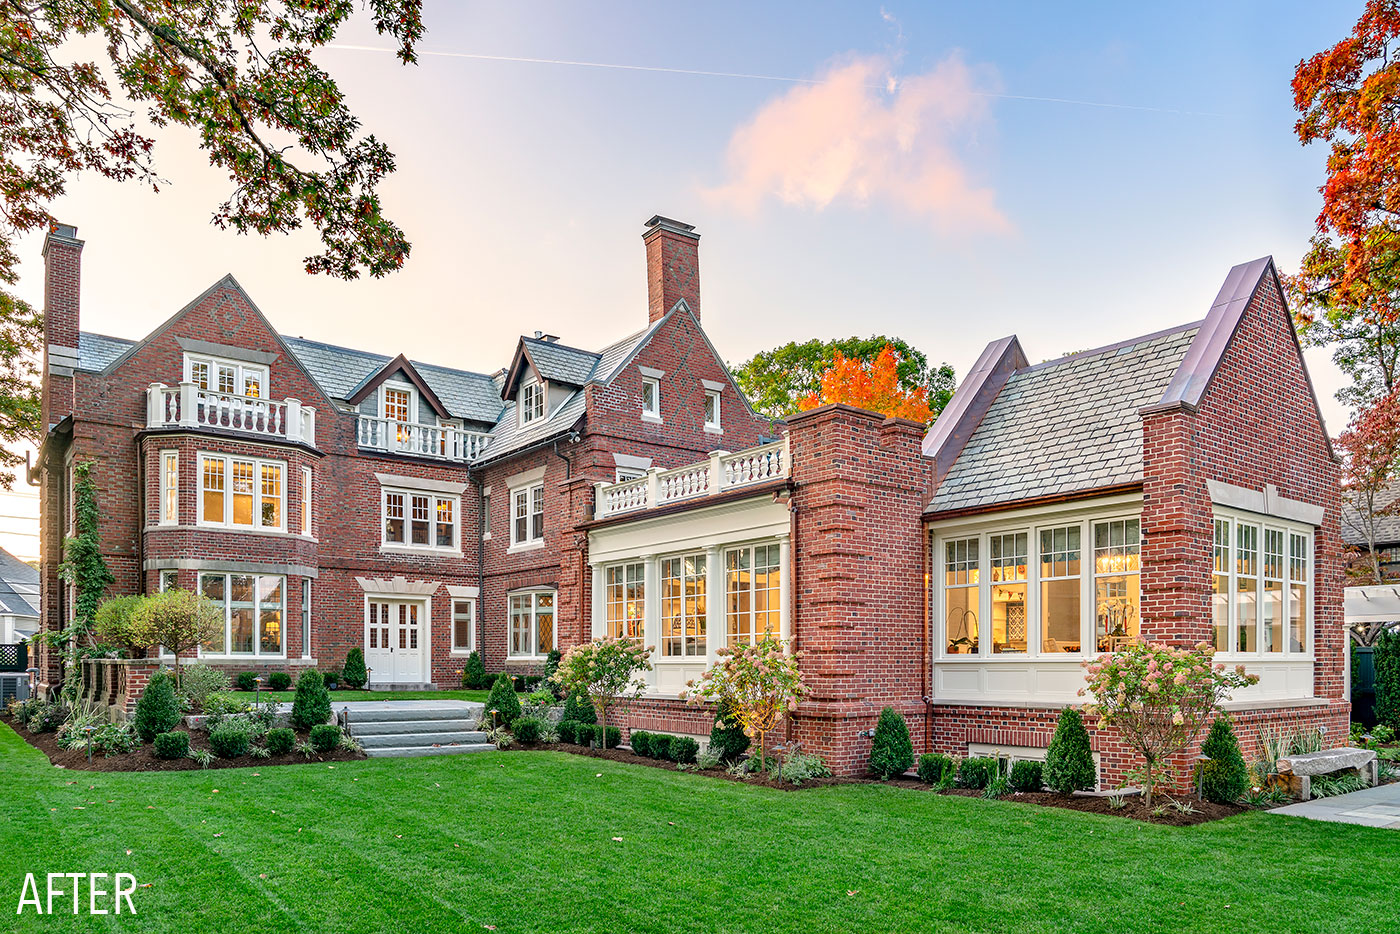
pixel 948 173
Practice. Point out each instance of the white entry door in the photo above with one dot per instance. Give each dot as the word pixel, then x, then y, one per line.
pixel 394 642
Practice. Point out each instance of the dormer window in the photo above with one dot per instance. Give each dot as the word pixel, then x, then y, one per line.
pixel 398 403
pixel 531 401
pixel 230 377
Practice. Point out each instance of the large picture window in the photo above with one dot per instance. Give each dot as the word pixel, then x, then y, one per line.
pixel 230 377
pixel 1260 587
pixel 625 600
pixel 420 520
pixel 242 492
pixel 254 611
pixel 752 586
pixel 683 606
pixel 1117 599
pixel 532 624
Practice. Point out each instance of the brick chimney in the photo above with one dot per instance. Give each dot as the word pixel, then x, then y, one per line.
pixel 63 261
pixel 673 266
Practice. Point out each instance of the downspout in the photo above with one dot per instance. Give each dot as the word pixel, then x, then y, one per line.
pixel 481 519
pixel 572 438
pixel 144 515
pixel 792 587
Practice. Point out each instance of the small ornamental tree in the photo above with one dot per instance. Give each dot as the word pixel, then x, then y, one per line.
pixel 312 704
pixel 1224 777
pixel 606 670
pixel 179 620
pixel 1159 698
pixel 1069 760
pixel 503 701
pixel 759 684
pixel 891 752
pixel 354 674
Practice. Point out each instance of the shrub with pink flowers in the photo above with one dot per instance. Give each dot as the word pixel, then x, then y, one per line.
pixel 607 670
pixel 759 683
pixel 1159 698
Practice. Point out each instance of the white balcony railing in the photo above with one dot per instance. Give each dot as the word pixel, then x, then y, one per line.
pixel 188 406
pixel 443 442
pixel 720 474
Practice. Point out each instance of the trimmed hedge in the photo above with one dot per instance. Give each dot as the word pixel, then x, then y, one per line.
pixel 229 740
pixel 640 741
pixel 933 766
pixel 1387 662
pixel 281 741
pixel 977 771
pixel 1027 775
pixel 172 745
pixel 1069 762
pixel 682 749
pixel 891 752
pixel 312 705
pixel 157 711
pixel 566 730
pixel 279 681
pixel 527 729
pixel 325 737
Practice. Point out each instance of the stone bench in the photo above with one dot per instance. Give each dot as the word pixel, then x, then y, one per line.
pixel 1300 769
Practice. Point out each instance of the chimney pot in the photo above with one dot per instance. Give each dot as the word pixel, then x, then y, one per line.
pixel 673 266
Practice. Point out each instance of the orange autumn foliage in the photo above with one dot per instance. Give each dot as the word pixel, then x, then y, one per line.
pixel 870 385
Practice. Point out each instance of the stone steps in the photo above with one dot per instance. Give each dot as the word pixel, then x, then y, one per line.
pixel 408 752
pixel 381 740
pixel 383 727
pixel 401 730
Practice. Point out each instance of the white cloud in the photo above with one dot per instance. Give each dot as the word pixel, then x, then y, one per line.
pixel 863 136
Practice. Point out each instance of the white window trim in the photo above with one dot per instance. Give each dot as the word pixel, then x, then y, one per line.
pixel 257 616
pixel 715 427
pixel 407 547
pixel 534 595
pixel 306 500
pixel 1289 528
pixel 621 567
pixel 652 414
pixel 486 514
pixel 226 521
pixel 531 383
pixel 164 517
pixel 241 370
pixel 412 400
pixel 455 649
pixel 307 596
pixel 531 541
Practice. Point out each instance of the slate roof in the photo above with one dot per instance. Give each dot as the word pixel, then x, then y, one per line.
pixel 1065 426
pixel 560 364
pixel 19 586
pixel 1387 525
pixel 96 351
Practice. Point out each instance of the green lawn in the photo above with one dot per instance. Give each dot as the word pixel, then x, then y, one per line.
pixel 336 696
pixel 524 842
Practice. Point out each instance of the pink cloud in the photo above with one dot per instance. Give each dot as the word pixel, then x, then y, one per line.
pixel 861 137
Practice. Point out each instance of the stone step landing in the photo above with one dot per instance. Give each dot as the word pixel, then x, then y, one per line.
pixel 401 729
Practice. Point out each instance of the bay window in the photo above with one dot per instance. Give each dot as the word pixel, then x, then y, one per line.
pixel 241 492
pixel 683 606
pixel 625 600
pixel 253 610
pixel 420 520
pixel 532 624
pixel 1261 586
pixel 1117 597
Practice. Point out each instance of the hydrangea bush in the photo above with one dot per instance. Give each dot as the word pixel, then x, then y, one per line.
pixel 607 670
pixel 759 683
pixel 1159 697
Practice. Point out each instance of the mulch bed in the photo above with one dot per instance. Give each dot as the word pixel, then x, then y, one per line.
pixel 145 760
pixel 1133 807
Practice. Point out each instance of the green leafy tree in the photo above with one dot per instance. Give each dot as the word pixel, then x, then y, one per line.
pixel 157 711
pixel 776 381
pixel 312 704
pixel 891 752
pixel 607 671
pixel 1387 662
pixel 504 700
pixel 179 620
pixel 1069 761
pixel 1224 777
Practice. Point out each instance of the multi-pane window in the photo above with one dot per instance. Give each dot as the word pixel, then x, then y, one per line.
pixel 239 492
pixel 463 623
pixel 962 576
pixel 1009 573
pixel 420 520
pixel 1060 619
pixel 683 593
pixel 531 401
pixel 306 617
pixel 712 409
pixel 527 514
pixel 625 600
pixel 1260 587
pixel 752 588
pixel 169 579
pixel 306 501
pixel 532 623
pixel 1117 600
pixel 253 612
pixel 230 377
pixel 169 487
pixel 398 403
pixel 651 397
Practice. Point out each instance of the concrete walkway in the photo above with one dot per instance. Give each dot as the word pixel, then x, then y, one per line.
pixel 1370 807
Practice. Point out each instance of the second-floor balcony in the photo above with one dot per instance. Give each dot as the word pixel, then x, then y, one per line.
pixel 722 473
pixel 442 442
pixel 189 406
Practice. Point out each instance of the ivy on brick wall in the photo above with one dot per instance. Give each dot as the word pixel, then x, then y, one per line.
pixel 84 568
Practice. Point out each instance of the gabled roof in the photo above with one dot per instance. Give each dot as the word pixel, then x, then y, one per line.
pixel 399 365
pixel 1065 426
pixel 554 362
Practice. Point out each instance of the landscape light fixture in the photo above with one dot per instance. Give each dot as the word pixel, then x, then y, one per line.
pixel 369 679
pixel 89 730
pixel 257 690
pixel 33 680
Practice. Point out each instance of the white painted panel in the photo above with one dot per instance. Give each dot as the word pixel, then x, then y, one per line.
pixel 1008 681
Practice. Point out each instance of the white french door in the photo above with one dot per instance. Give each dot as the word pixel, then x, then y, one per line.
pixel 394 641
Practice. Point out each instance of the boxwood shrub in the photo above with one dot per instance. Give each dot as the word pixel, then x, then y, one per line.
pixel 325 737
pixel 279 681
pixel 682 749
pixel 229 740
pixel 281 741
pixel 977 771
pixel 172 745
pixel 566 730
pixel 527 729
pixel 659 745
pixel 157 711
pixel 1027 775
pixel 246 681
pixel 640 741
pixel 933 766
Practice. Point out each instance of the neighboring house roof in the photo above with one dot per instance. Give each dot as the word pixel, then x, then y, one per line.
pixel 1065 425
pixel 1387 524
pixel 19 586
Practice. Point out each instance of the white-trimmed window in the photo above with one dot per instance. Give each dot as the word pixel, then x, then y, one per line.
pixel 752 589
pixel 1061 623
pixel 532 393
pixel 713 409
pixel 651 397
pixel 531 624
pixel 463 625
pixel 306 501
pixel 625 600
pixel 169 579
pixel 1010 572
pixel 242 492
pixel 230 377
pixel 415 519
pixel 169 487
pixel 306 617
pixel 1117 583
pixel 683 606
pixel 254 610
pixel 629 473
pixel 527 514
pixel 1260 586
pixel 961 592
